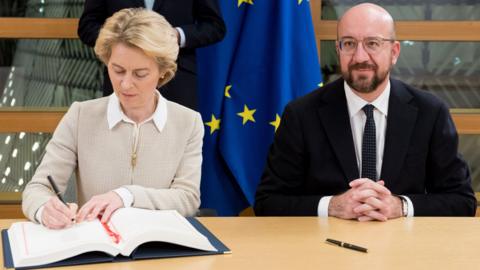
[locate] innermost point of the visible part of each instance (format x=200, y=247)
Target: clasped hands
x=57, y=215
x=366, y=200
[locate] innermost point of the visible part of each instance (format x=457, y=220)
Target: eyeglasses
x=371, y=45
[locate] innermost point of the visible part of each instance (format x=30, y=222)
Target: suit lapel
x=336, y=121
x=400, y=123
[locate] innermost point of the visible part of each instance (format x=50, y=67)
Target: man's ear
x=395, y=51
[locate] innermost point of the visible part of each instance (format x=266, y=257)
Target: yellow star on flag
x=240, y=2
x=300, y=1
x=214, y=124
x=227, y=91
x=276, y=123
x=247, y=114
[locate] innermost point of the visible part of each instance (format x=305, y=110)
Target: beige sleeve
x=184, y=192
x=59, y=161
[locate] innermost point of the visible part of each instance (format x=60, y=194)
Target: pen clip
x=333, y=241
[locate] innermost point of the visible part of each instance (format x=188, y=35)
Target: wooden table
x=299, y=243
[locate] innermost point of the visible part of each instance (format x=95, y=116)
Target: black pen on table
x=346, y=245
x=57, y=192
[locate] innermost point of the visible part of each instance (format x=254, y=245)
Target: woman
x=133, y=148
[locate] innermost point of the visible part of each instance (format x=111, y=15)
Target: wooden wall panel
x=30, y=121
x=38, y=28
x=46, y=121
x=417, y=30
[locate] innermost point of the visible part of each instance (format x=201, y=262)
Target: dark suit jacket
x=200, y=20
x=313, y=155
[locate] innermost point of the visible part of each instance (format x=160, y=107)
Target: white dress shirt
x=149, y=4
x=357, y=123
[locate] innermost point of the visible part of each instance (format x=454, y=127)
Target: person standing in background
x=198, y=23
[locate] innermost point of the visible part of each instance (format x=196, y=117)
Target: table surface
x=299, y=243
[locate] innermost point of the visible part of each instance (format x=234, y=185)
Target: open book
x=33, y=244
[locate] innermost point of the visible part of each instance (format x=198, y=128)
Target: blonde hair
x=144, y=29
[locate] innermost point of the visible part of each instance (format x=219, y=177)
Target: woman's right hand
x=57, y=215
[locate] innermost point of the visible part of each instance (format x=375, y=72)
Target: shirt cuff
x=182, y=37
x=323, y=206
x=409, y=206
x=38, y=214
x=126, y=195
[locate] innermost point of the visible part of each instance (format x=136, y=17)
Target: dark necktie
x=369, y=148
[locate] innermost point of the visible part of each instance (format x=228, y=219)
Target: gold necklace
x=135, y=146
x=136, y=138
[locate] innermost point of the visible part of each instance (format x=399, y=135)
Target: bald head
x=366, y=64
x=368, y=17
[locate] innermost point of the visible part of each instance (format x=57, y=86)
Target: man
x=366, y=147
x=198, y=23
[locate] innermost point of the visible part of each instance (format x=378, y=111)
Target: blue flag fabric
x=268, y=57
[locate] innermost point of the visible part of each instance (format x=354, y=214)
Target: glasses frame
x=366, y=48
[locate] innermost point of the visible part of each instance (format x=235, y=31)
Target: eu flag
x=268, y=57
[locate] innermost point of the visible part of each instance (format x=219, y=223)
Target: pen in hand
x=346, y=245
x=55, y=189
x=57, y=192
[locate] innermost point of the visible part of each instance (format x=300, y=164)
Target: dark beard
x=362, y=84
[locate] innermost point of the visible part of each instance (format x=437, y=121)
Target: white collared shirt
x=149, y=4
x=115, y=113
x=358, y=119
x=357, y=123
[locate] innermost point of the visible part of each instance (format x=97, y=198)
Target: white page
x=35, y=244
x=137, y=226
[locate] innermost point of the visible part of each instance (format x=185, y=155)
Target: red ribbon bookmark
x=115, y=236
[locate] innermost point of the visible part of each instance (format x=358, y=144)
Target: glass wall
x=20, y=154
x=46, y=73
x=41, y=8
x=49, y=73
x=40, y=73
